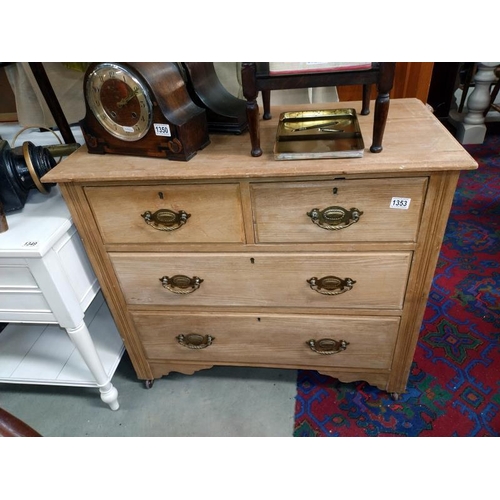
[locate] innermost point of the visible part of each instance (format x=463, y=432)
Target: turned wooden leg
x=253, y=127
x=82, y=340
x=381, y=112
x=367, y=89
x=382, y=105
x=266, y=100
x=250, y=92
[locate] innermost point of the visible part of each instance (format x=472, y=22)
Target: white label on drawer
x=401, y=203
x=162, y=129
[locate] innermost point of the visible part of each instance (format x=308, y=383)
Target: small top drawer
x=368, y=210
x=197, y=213
x=16, y=276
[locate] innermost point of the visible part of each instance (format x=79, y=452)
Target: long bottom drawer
x=269, y=339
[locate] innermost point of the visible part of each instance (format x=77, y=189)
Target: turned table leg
x=382, y=106
x=250, y=92
x=365, y=109
x=59, y=293
x=82, y=340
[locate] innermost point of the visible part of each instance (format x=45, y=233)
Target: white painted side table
x=47, y=285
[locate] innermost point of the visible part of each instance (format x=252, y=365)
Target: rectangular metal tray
x=333, y=133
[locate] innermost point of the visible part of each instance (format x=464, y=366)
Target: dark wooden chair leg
x=466, y=86
x=367, y=89
x=494, y=94
x=266, y=100
x=250, y=93
x=11, y=426
x=382, y=105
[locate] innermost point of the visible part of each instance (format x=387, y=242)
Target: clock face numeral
x=120, y=101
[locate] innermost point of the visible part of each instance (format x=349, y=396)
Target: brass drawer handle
x=165, y=219
x=195, y=341
x=334, y=218
x=181, y=284
x=327, y=346
x=331, y=285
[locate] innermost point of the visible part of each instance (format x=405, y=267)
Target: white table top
x=37, y=227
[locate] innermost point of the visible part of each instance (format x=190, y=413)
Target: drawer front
x=373, y=280
x=269, y=339
x=213, y=211
x=16, y=277
x=26, y=301
x=281, y=210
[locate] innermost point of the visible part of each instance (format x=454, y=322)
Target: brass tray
x=333, y=133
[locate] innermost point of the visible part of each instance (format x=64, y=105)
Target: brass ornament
x=181, y=284
x=334, y=218
x=327, y=346
x=195, y=341
x=165, y=219
x=331, y=285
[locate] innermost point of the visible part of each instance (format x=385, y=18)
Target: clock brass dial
x=120, y=101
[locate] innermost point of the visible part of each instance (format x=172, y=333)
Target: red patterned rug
x=454, y=384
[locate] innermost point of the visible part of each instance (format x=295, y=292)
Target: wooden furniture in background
x=8, y=111
x=60, y=331
x=443, y=84
x=257, y=77
x=411, y=79
x=312, y=264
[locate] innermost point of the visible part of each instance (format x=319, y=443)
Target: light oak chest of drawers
x=233, y=260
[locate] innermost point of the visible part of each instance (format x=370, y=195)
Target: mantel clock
x=141, y=109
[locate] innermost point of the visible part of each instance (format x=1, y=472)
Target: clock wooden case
x=141, y=109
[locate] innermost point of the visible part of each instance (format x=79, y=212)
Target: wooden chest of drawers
x=233, y=260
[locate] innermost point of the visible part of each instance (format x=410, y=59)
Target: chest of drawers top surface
x=414, y=141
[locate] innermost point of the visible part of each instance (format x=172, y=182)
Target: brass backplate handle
x=165, y=219
x=195, y=341
x=331, y=285
x=181, y=284
x=334, y=218
x=327, y=346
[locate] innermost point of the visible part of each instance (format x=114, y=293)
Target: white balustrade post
x=472, y=129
